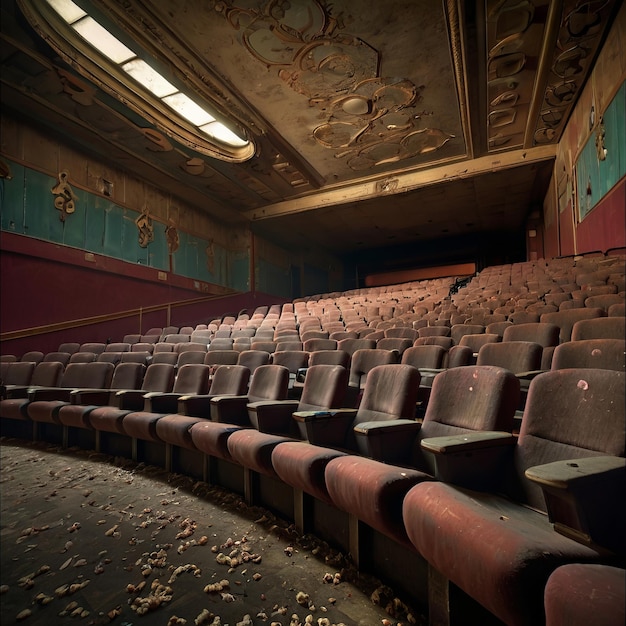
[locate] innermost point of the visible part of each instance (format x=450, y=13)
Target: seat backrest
x=192, y=379
x=190, y=346
x=544, y=333
x=293, y=360
x=516, y=356
x=617, y=310
x=364, y=360
x=458, y=356
x=270, y=382
x=190, y=357
x=565, y=320
x=390, y=393
x=404, y=332
x=177, y=338
x=399, y=344
x=69, y=346
x=424, y=356
x=230, y=380
x=476, y=342
x=83, y=357
x=607, y=354
x=252, y=359
x=34, y=356
x=221, y=343
x=18, y=373
x=61, y=357
x=281, y=346
x=318, y=343
x=136, y=357
x=95, y=347
x=434, y=331
x=444, y=342
x=120, y=346
x=524, y=317
x=604, y=301
x=47, y=374
x=159, y=377
x=329, y=357
x=478, y=397
x=325, y=387
x=599, y=328
x=110, y=357
x=459, y=330
x=128, y=376
x=497, y=328
x=142, y=346
x=170, y=358
x=221, y=357
x=352, y=345
x=94, y=375
x=569, y=414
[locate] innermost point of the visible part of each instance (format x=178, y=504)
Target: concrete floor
x=82, y=532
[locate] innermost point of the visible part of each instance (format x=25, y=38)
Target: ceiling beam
x=404, y=182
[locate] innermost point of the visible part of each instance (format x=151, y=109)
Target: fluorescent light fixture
x=149, y=78
x=187, y=108
x=144, y=74
x=69, y=11
x=101, y=39
x=218, y=131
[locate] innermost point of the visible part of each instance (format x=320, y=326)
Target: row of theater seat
x=371, y=462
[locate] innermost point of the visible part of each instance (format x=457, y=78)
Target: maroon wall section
x=44, y=284
x=605, y=226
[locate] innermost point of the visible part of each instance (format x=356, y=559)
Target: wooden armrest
x=389, y=441
x=476, y=460
x=230, y=410
x=325, y=428
x=585, y=498
x=98, y=397
x=271, y=416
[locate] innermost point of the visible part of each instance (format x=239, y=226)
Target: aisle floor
x=89, y=539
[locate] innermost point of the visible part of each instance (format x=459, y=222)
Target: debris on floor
x=90, y=539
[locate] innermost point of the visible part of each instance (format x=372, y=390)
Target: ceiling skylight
x=141, y=70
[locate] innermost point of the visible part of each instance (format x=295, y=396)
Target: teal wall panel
x=273, y=279
x=12, y=200
x=100, y=226
x=595, y=177
x=41, y=219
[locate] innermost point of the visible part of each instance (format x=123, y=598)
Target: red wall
x=45, y=283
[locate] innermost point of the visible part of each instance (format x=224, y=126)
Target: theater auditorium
x=312, y=312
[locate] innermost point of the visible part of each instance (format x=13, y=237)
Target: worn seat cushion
x=302, y=465
x=175, y=429
x=212, y=438
x=372, y=491
x=253, y=449
x=578, y=595
x=497, y=551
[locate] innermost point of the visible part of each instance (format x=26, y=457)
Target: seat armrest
x=271, y=416
x=585, y=498
x=49, y=393
x=195, y=406
x=156, y=402
x=230, y=410
x=325, y=428
x=476, y=460
x=129, y=399
x=99, y=397
x=16, y=391
x=389, y=441
x=301, y=374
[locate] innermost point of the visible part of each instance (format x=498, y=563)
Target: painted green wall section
x=105, y=228
x=595, y=177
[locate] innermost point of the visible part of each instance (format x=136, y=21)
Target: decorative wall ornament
x=370, y=119
x=210, y=256
x=145, y=228
x=600, y=135
x=173, y=240
x=65, y=198
x=5, y=170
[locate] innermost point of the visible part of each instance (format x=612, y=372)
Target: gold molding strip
x=404, y=182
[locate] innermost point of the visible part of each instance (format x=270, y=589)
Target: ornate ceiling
x=375, y=123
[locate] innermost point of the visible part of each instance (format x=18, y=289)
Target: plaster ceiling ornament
x=65, y=199
x=339, y=74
